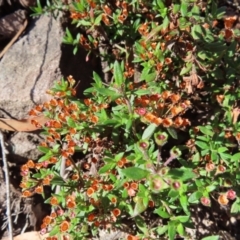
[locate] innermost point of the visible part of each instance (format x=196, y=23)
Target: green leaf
x=196, y=32
x=148, y=132
x=182, y=174
x=181, y=229
x=106, y=167
x=194, y=197
x=134, y=173
x=57, y=180
x=236, y=207
x=118, y=73
x=139, y=207
x=184, y=203
x=161, y=212
x=70, y=122
x=196, y=157
x=222, y=149
x=207, y=130
x=44, y=149
x=202, y=145
x=235, y=157
x=215, y=237
x=225, y=156
x=181, y=219
x=184, y=9
x=108, y=93
x=172, y=132
x=45, y=157
x=98, y=20
x=141, y=92
x=171, y=230
x=97, y=80
x=54, y=231
x=162, y=229
x=186, y=69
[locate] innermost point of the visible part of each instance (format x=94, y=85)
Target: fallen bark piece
x=24, y=125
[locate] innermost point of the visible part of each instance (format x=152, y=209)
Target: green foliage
x=161, y=140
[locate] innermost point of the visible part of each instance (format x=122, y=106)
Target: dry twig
x=5, y=165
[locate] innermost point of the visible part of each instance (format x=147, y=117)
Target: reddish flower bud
x=231, y=194
x=210, y=167
x=205, y=201
x=141, y=111
x=176, y=185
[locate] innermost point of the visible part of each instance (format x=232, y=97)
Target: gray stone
x=23, y=146
x=30, y=67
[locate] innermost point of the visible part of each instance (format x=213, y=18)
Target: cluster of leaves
x=161, y=135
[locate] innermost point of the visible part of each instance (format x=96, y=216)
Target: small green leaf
x=215, y=237
x=235, y=157
x=172, y=132
x=118, y=73
x=108, y=93
x=162, y=229
x=181, y=229
x=202, y=145
x=139, y=207
x=207, y=130
x=182, y=174
x=222, y=149
x=196, y=32
x=184, y=203
x=134, y=173
x=196, y=157
x=194, y=197
x=186, y=69
x=57, y=180
x=97, y=79
x=171, y=230
x=98, y=20
x=71, y=123
x=184, y=9
x=106, y=167
x=45, y=157
x=181, y=219
x=54, y=231
x=236, y=207
x=148, y=132
x=44, y=149
x=161, y=212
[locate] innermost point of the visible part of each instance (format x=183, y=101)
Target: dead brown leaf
x=24, y=125
x=235, y=114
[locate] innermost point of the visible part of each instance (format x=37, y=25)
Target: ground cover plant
x=158, y=133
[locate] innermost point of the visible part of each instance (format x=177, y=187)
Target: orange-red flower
x=32, y=112
x=90, y=191
x=167, y=122
x=131, y=237
x=30, y=164
x=54, y=201
x=47, y=220
x=222, y=199
x=39, y=189
x=91, y=217
x=27, y=193
x=116, y=212
x=64, y=226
